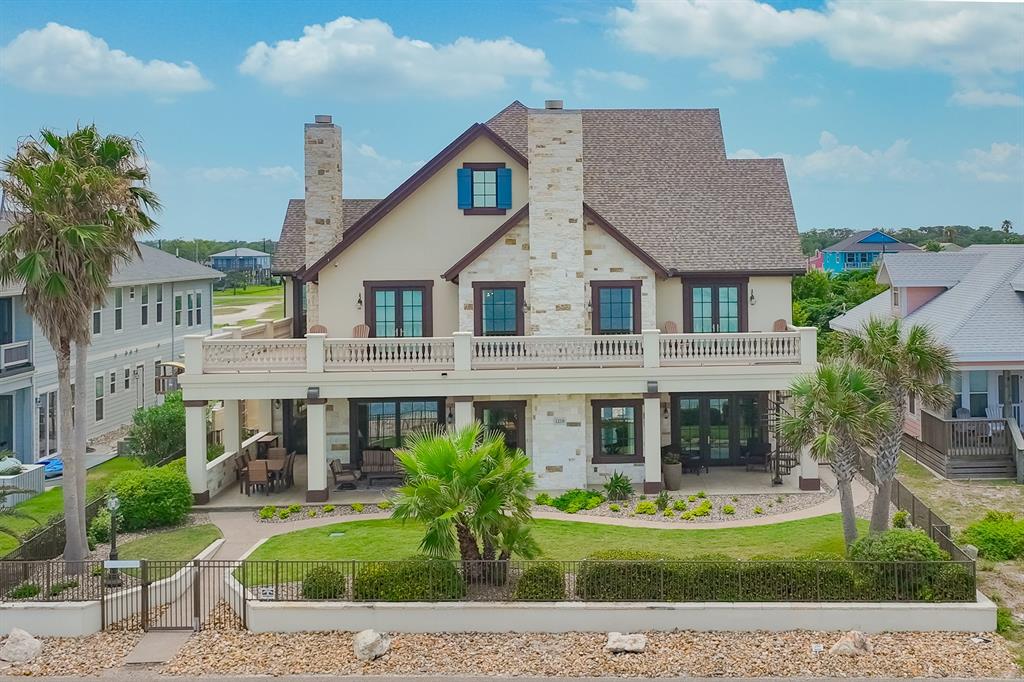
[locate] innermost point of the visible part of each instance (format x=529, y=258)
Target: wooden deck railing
x=236, y=350
x=972, y=437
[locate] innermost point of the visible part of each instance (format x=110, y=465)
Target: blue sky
x=887, y=114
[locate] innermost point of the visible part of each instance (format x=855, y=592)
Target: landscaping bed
x=697, y=654
x=718, y=507
x=77, y=656
x=296, y=512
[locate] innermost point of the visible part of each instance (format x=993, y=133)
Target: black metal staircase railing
x=784, y=458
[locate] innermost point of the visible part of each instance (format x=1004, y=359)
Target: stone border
x=561, y=617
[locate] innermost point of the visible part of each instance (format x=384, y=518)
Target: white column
x=232, y=426
x=808, y=470
x=316, y=450
x=315, y=353
x=651, y=341
x=463, y=342
x=195, y=450
x=463, y=411
x=652, y=443
x=263, y=416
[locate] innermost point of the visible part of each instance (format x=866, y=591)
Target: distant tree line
x=928, y=237
x=200, y=250
x=818, y=297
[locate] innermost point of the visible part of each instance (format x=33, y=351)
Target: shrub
x=702, y=509
x=328, y=508
x=214, y=451
x=953, y=582
x=998, y=536
x=1006, y=624
x=99, y=528
x=541, y=581
x=267, y=512
x=668, y=512
x=729, y=510
x=294, y=508
x=543, y=499
x=572, y=501
x=311, y=513
x=646, y=507
x=819, y=576
x=780, y=499
x=414, y=579
x=735, y=499
x=614, y=507
x=283, y=514
x=157, y=432
x=618, y=487
x=901, y=519
x=151, y=498
x=24, y=591
x=638, y=580
x=357, y=507
x=758, y=510
x=177, y=465
x=386, y=504
x=897, y=545
x=59, y=587
x=701, y=494
x=910, y=563
x=324, y=582
x=662, y=500
x=691, y=498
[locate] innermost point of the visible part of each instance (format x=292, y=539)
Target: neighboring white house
x=155, y=300
x=596, y=284
x=973, y=300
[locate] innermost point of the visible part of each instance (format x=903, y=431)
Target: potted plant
x=672, y=471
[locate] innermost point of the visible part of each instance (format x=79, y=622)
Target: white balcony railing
x=226, y=352
x=15, y=355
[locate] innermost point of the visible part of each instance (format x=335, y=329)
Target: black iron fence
x=48, y=541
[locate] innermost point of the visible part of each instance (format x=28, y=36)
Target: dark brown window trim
x=478, y=308
x=474, y=165
x=518, y=405
x=690, y=283
x=370, y=310
x=638, y=429
x=595, y=303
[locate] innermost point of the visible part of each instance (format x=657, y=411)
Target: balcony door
x=6, y=321
x=715, y=306
x=720, y=428
x=399, y=309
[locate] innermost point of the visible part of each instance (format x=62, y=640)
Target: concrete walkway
x=252, y=311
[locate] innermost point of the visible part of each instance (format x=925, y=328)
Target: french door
x=398, y=309
x=48, y=421
x=384, y=424
x=720, y=428
x=715, y=307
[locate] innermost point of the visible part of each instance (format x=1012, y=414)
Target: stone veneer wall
x=506, y=261
x=338, y=430
x=604, y=258
x=555, y=150
x=323, y=199
x=558, y=448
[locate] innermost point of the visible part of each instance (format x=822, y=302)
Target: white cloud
x=620, y=79
x=1001, y=162
x=976, y=98
x=68, y=61
x=235, y=173
x=970, y=42
x=806, y=101
x=357, y=57
x=567, y=20
x=834, y=160
x=724, y=91
x=278, y=173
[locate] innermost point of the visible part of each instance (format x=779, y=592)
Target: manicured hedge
x=153, y=497
x=324, y=582
x=541, y=582
x=415, y=579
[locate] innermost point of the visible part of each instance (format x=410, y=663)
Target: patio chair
x=318, y=329
x=257, y=476
x=240, y=472
x=361, y=331
x=962, y=413
x=670, y=327
x=759, y=456
x=344, y=475
x=276, y=453
x=289, y=471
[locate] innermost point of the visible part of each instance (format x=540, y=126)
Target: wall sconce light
x=526, y=306
x=313, y=393
x=590, y=306
x=359, y=302
x=664, y=409
x=451, y=416
x=753, y=299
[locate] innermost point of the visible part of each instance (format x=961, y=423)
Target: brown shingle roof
x=290, y=255
x=661, y=177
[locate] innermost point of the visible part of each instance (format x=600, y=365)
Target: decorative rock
x=853, y=643
x=971, y=551
x=370, y=644
x=619, y=643
x=20, y=647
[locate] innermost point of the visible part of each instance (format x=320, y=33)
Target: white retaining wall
x=32, y=479
x=979, y=616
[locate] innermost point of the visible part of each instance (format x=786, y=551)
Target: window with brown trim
x=615, y=307
x=507, y=417
x=715, y=306
x=399, y=308
x=618, y=431
x=484, y=183
x=498, y=308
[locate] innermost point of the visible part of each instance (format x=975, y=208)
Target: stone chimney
x=557, y=290
x=323, y=197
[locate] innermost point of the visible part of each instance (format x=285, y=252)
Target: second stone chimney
x=323, y=197
x=557, y=289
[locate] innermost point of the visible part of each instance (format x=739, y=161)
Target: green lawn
x=248, y=295
x=563, y=540
x=46, y=506
x=179, y=544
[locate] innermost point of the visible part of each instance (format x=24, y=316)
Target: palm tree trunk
x=848, y=511
x=470, y=552
x=886, y=460
x=75, y=546
x=82, y=397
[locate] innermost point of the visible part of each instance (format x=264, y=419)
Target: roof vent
x=322, y=118
x=553, y=104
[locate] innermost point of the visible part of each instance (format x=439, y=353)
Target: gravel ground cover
x=314, y=512
x=580, y=654
x=743, y=506
x=77, y=656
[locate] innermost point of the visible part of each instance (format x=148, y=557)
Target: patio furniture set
x=272, y=469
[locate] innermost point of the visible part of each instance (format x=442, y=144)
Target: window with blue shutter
x=484, y=188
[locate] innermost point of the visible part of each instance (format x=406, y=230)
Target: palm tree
x=1007, y=226
x=906, y=361
x=470, y=490
x=78, y=201
x=836, y=411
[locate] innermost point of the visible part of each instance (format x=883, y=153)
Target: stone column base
x=317, y=495
x=810, y=483
x=651, y=487
x=201, y=498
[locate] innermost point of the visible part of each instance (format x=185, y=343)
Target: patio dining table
x=263, y=444
x=275, y=470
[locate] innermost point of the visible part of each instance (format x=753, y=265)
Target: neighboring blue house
x=860, y=250
x=241, y=258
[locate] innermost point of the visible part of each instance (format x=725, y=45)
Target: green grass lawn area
x=563, y=540
x=179, y=544
x=49, y=504
x=248, y=295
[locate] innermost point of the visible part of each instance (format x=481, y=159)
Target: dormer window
x=484, y=188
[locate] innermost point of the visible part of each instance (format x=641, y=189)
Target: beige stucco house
x=600, y=285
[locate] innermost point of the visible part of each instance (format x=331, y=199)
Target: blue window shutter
x=465, y=181
x=504, y=176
